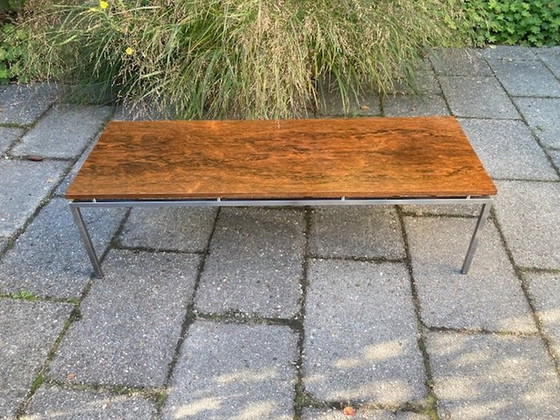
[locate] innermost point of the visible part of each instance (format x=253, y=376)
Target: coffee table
x=310, y=162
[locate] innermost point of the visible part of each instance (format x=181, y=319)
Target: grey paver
x=3, y=244
x=457, y=62
x=526, y=78
x=443, y=209
x=369, y=232
x=493, y=377
x=546, y=304
x=258, y=382
x=425, y=83
x=23, y=185
x=8, y=135
x=508, y=149
x=27, y=332
x=255, y=263
x=361, y=337
x=509, y=53
x=24, y=104
x=477, y=97
x=414, y=106
x=489, y=297
x=69, y=178
x=366, y=414
x=551, y=57
x=63, y=132
x=130, y=321
x=51, y=402
x=529, y=216
x=48, y=259
x=366, y=104
x=542, y=115
x=175, y=228
x=555, y=154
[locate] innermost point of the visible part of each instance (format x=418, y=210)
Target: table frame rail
x=77, y=205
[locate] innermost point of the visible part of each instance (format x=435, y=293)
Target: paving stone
x=63, y=132
x=526, y=78
x=9, y=135
x=443, y=210
x=257, y=383
x=543, y=289
x=477, y=97
x=130, y=321
x=508, y=52
x=3, y=244
x=425, y=83
x=366, y=414
x=459, y=62
x=529, y=217
x=23, y=185
x=49, y=259
x=170, y=228
x=51, y=402
x=551, y=57
x=508, y=149
x=24, y=104
x=330, y=104
x=493, y=377
x=555, y=154
x=542, y=115
x=414, y=106
x=255, y=263
x=489, y=297
x=27, y=332
x=361, y=337
x=69, y=178
x=368, y=232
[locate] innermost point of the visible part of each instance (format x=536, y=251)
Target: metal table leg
x=474, y=240
x=86, y=240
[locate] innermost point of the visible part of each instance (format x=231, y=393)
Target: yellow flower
x=129, y=51
x=103, y=4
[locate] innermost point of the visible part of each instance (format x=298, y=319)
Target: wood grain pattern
x=327, y=158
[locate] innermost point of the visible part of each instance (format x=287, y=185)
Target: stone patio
x=290, y=313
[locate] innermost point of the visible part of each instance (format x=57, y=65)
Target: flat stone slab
x=425, y=83
x=443, y=210
x=488, y=298
x=477, y=97
x=366, y=414
x=493, y=377
x=28, y=330
x=360, y=334
x=509, y=52
x=23, y=185
x=551, y=57
x=255, y=263
x=48, y=259
x=51, y=402
x=63, y=132
x=530, y=219
x=367, y=232
x=171, y=228
x=555, y=154
x=131, y=321
x=8, y=135
x=258, y=382
x=508, y=149
x=460, y=62
x=526, y=78
x=414, y=106
x=365, y=105
x=69, y=178
x=24, y=104
x=543, y=289
x=542, y=116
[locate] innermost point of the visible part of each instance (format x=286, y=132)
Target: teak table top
x=291, y=159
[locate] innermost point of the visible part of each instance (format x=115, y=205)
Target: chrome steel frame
x=75, y=207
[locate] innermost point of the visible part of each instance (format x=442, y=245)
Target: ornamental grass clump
x=234, y=58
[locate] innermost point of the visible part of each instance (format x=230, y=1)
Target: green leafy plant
x=12, y=52
x=234, y=58
x=528, y=22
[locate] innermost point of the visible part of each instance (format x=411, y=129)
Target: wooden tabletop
x=292, y=159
